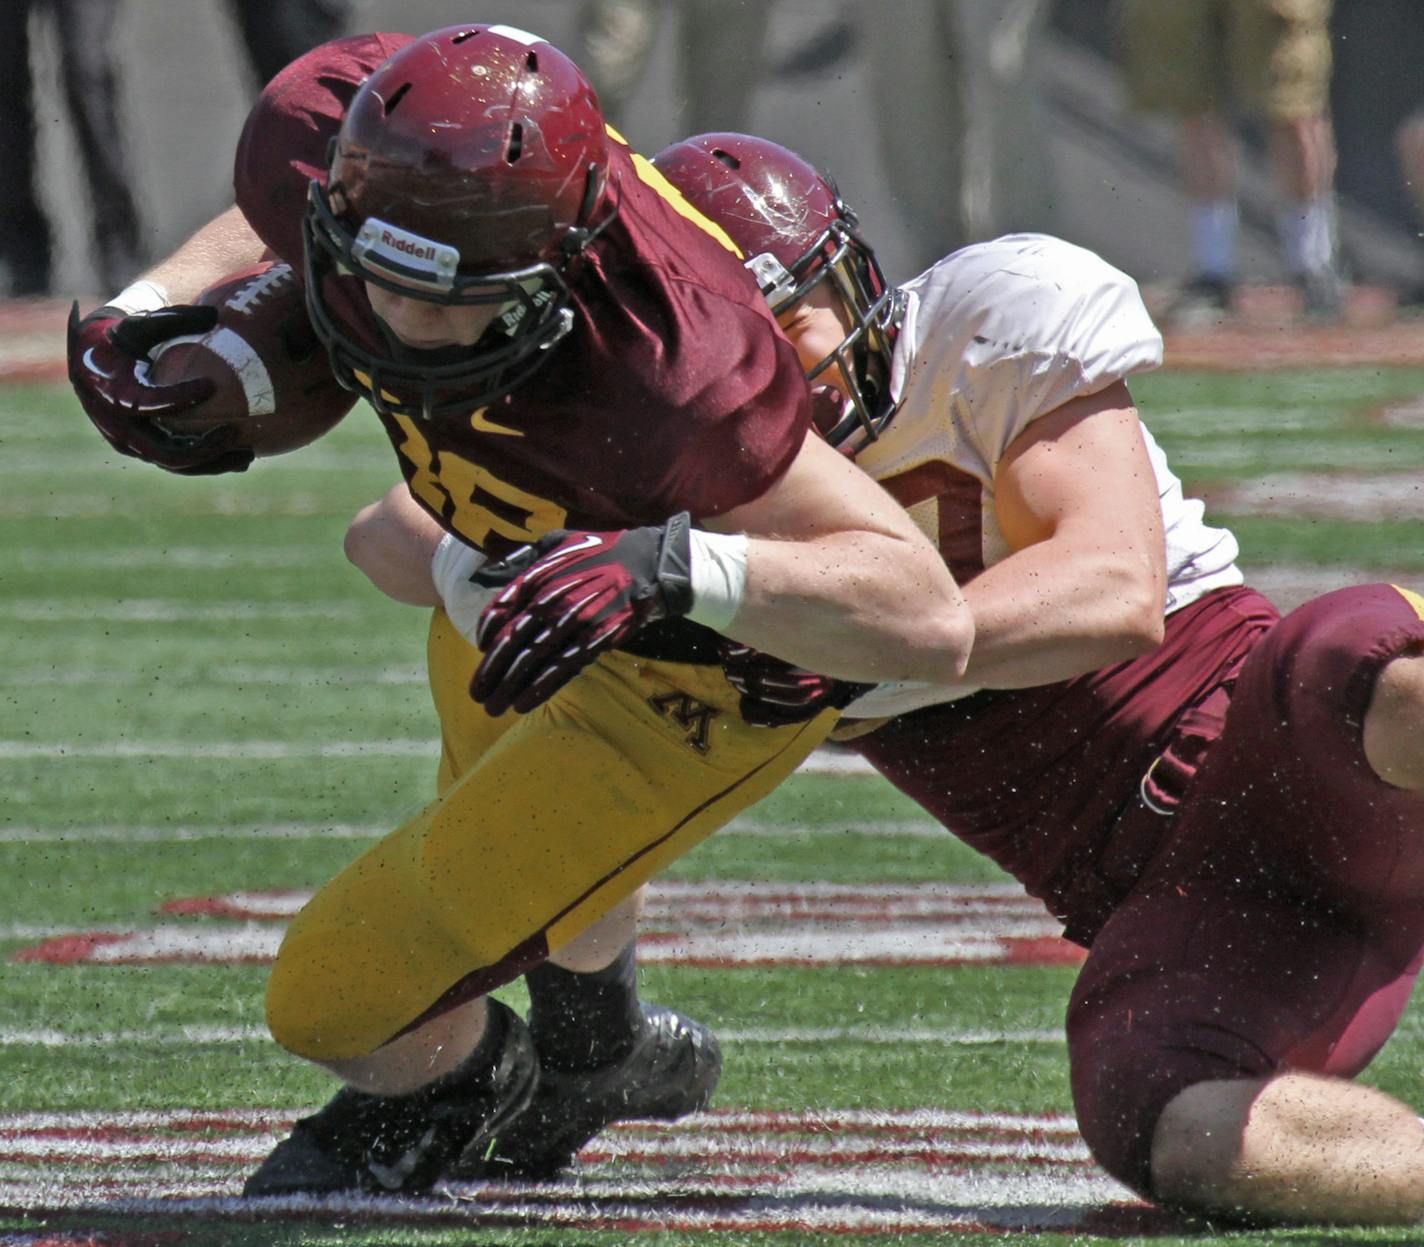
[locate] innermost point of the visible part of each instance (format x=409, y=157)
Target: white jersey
x=995, y=336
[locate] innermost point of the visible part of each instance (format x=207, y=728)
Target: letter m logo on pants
x=692, y=715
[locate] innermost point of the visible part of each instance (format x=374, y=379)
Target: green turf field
x=201, y=698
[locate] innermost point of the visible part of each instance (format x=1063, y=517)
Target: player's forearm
x=864, y=606
x=1047, y=614
x=1041, y=617
x=223, y=245
x=839, y=580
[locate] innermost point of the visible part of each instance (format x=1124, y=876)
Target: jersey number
x=471, y=499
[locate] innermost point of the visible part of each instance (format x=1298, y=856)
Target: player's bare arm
x=1077, y=499
x=839, y=578
x=837, y=570
x=1295, y=1148
x=223, y=245
x=392, y=541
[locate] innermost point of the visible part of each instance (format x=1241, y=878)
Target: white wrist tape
x=719, y=577
x=451, y=568
x=142, y=296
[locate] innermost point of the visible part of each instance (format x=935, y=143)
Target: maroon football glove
x=106, y=350
x=569, y=597
x=776, y=694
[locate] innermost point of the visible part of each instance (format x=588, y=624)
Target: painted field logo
x=723, y=925
x=846, y=1172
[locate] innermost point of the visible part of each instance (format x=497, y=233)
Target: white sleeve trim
x=884, y=701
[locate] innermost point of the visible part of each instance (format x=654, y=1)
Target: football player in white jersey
x=1248, y=887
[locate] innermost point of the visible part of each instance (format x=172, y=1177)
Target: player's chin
x=435, y=355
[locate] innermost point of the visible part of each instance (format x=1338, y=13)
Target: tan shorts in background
x=1270, y=57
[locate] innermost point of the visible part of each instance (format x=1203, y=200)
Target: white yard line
x=261, y=750
x=912, y=944
x=725, y=925
x=305, y=677
x=817, y=764
x=751, y=828
x=100, y=505
x=837, y=1172
x=873, y=1036
x=301, y=553
x=165, y=610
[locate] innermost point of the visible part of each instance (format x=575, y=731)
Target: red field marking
x=1245, y=347
x=715, y=903
x=1343, y=495
x=170, y=945
x=245, y=906
x=717, y=925
x=32, y=340
x=66, y=950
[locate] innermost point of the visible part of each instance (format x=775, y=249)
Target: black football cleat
x=671, y=1071
x=388, y=1144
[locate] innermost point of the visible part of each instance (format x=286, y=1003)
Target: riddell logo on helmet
x=417, y=250
x=406, y=256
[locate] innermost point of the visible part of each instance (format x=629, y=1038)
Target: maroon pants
x=1281, y=926
x=1277, y=921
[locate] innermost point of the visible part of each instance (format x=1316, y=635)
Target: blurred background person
x=720, y=50
x=1201, y=62
x=959, y=118
x=276, y=32
x=1409, y=145
x=91, y=91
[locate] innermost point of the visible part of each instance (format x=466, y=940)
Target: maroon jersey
x=674, y=391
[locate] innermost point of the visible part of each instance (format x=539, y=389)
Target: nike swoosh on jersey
x=480, y=424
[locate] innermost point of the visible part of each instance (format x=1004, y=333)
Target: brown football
x=270, y=371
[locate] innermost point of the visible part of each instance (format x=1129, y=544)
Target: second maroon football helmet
x=469, y=169
x=796, y=232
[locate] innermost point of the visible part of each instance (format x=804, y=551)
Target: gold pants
x=544, y=822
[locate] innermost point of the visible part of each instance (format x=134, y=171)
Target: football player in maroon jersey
x=1226, y=807
x=571, y=367
x=1246, y=886
x=1222, y=805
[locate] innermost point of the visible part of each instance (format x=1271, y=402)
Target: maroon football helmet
x=796, y=231
x=469, y=169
